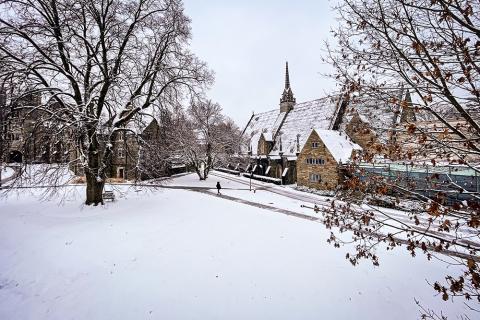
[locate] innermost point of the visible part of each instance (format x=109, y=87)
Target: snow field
x=178, y=254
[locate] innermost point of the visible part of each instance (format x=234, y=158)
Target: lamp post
x=1, y=140
x=251, y=175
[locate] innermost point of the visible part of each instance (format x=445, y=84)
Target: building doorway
x=279, y=171
x=15, y=156
x=121, y=173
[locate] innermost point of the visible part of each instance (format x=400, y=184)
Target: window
x=314, y=144
x=315, y=161
x=314, y=177
x=120, y=135
x=120, y=153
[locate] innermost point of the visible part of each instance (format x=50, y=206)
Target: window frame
x=315, y=161
x=121, y=152
x=314, y=177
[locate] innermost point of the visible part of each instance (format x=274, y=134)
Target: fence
x=458, y=183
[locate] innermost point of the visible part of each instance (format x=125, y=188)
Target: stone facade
x=326, y=169
x=362, y=134
x=264, y=146
x=125, y=157
x=29, y=135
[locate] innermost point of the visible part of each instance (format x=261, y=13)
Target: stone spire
x=287, y=101
x=287, y=77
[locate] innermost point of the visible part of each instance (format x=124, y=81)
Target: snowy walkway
x=304, y=203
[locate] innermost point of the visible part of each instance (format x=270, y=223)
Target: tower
x=287, y=101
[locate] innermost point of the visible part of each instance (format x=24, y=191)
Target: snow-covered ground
x=286, y=197
x=7, y=172
x=180, y=254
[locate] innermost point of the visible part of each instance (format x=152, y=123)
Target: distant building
x=29, y=135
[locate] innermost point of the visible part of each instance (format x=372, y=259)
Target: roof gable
x=381, y=113
x=300, y=121
x=265, y=123
x=338, y=144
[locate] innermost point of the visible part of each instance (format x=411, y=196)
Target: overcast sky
x=246, y=44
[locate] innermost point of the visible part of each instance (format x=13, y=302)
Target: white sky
x=246, y=43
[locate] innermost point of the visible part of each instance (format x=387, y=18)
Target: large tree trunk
x=200, y=174
x=94, y=189
x=95, y=176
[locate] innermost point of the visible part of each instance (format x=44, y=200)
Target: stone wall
x=328, y=171
x=276, y=169
x=31, y=139
x=264, y=147
x=361, y=134
x=127, y=159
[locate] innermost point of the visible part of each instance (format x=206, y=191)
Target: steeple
x=287, y=77
x=287, y=101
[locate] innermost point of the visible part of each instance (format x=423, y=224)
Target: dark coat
x=219, y=186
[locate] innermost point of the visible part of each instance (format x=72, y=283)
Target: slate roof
x=299, y=123
x=381, y=113
x=285, y=129
x=265, y=122
x=290, y=130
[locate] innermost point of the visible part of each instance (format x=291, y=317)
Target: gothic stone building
x=29, y=136
x=306, y=143
x=138, y=153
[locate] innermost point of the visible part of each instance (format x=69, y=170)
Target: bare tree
x=431, y=48
x=207, y=137
x=155, y=158
x=99, y=66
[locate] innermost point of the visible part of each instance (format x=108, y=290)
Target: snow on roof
x=265, y=123
x=268, y=136
x=300, y=121
x=338, y=143
x=378, y=111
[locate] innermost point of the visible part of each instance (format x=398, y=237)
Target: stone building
x=28, y=135
x=138, y=153
x=373, y=122
x=279, y=142
x=318, y=163
x=274, y=138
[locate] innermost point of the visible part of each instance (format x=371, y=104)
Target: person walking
x=218, y=187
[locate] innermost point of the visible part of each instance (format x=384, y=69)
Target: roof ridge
x=276, y=109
